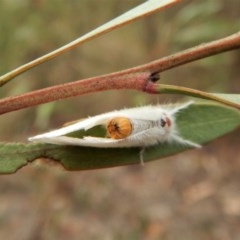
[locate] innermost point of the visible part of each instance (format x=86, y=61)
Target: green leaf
x=201, y=123
x=16, y=155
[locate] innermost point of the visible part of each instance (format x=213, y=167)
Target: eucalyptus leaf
x=16, y=155
x=200, y=123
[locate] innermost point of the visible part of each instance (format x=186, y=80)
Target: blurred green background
x=194, y=195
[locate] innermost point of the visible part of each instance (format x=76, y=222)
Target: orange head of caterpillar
x=119, y=127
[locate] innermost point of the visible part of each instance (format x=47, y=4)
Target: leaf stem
x=162, y=88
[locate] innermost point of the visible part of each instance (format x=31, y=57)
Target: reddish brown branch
x=136, y=81
x=135, y=78
x=192, y=54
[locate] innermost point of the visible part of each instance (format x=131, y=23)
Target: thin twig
x=125, y=79
x=135, y=81
x=229, y=43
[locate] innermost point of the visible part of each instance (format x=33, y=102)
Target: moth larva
x=134, y=127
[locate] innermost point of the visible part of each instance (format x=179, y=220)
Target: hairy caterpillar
x=134, y=127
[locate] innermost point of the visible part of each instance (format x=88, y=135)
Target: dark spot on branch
x=155, y=76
